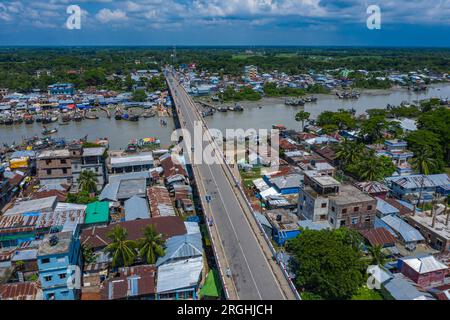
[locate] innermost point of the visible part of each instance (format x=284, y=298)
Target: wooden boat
x=47, y=131
x=28, y=119
x=91, y=116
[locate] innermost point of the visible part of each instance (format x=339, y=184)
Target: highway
x=254, y=275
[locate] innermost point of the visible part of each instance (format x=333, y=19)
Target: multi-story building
x=323, y=198
x=251, y=73
x=88, y=159
x=425, y=186
x=58, y=261
x=54, y=166
x=4, y=188
x=123, y=163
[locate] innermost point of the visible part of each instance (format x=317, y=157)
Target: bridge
x=238, y=241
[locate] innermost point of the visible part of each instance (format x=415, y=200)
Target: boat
x=222, y=109
x=149, y=114
x=47, y=131
x=17, y=120
x=311, y=99
x=91, y=116
x=77, y=117
x=38, y=118
x=8, y=121
x=28, y=119
x=132, y=147
x=66, y=118
x=294, y=102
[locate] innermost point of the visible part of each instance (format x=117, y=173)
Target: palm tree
x=370, y=169
x=423, y=161
x=349, y=151
x=87, y=181
x=151, y=246
x=302, y=116
x=378, y=257
x=123, y=251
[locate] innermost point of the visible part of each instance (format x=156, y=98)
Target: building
x=289, y=184
x=251, y=73
x=21, y=291
x=436, y=231
x=413, y=186
x=4, y=188
x=136, y=208
x=136, y=283
x=373, y=188
x=123, y=163
x=181, y=248
x=55, y=167
x=161, y=204
x=97, y=213
x=88, y=159
x=61, y=89
x=352, y=208
x=179, y=279
x=58, y=259
x=284, y=225
x=409, y=236
x=33, y=206
x=120, y=190
x=425, y=271
x=397, y=151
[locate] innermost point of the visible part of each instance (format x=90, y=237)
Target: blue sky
x=226, y=22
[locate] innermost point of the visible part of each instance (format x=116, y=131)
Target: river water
x=273, y=111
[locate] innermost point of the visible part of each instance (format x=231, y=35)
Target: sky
x=403, y=23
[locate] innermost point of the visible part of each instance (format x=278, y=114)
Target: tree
x=151, y=246
x=423, y=161
x=123, y=251
x=139, y=96
x=81, y=197
x=372, y=129
x=421, y=140
x=87, y=181
x=327, y=263
x=88, y=255
x=377, y=255
x=302, y=116
x=349, y=151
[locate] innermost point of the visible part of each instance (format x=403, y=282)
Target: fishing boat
x=149, y=114
x=222, y=109
x=8, y=121
x=47, y=131
x=38, y=119
x=294, y=102
x=28, y=119
x=17, y=120
x=66, y=118
x=311, y=99
x=91, y=116
x=77, y=117
x=148, y=142
x=132, y=146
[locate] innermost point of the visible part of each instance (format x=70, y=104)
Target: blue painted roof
x=407, y=232
x=385, y=208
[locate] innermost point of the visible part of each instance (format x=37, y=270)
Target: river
x=273, y=111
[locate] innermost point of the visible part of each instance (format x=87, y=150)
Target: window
x=47, y=162
x=50, y=296
x=344, y=211
x=64, y=171
x=369, y=207
x=64, y=293
x=332, y=221
x=324, y=205
x=367, y=219
x=49, y=171
x=355, y=220
x=356, y=209
x=63, y=161
x=342, y=223
x=62, y=275
x=48, y=278
x=45, y=260
x=332, y=209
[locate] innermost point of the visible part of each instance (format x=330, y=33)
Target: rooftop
x=425, y=219
x=93, y=152
x=425, y=264
x=349, y=194
x=62, y=245
x=130, y=160
x=179, y=274
x=97, y=212
x=48, y=154
x=136, y=208
x=33, y=206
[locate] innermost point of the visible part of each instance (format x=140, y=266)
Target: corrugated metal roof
x=425, y=264
x=407, y=232
x=182, y=247
x=385, y=208
x=179, y=275
x=136, y=208
x=402, y=288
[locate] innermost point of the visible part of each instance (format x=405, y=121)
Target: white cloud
x=107, y=15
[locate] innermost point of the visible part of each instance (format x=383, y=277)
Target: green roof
x=212, y=287
x=97, y=212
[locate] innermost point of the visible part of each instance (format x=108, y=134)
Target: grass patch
x=365, y=293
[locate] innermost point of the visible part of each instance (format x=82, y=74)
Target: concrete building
x=123, y=163
x=414, y=185
x=55, y=166
x=61, y=89
x=88, y=159
x=4, y=188
x=58, y=257
x=284, y=225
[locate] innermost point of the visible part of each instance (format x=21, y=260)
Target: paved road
x=253, y=277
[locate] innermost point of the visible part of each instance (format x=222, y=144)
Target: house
x=123, y=189
x=59, y=259
x=414, y=186
x=97, y=213
x=97, y=237
x=284, y=225
x=409, y=235
x=436, y=231
x=5, y=195
x=179, y=279
x=425, y=271
x=21, y=291
x=373, y=188
x=54, y=166
x=137, y=283
x=61, y=89
x=88, y=159
x=136, y=208
x=385, y=209
x=267, y=227
x=399, y=287
x=181, y=248
x=33, y=206
x=379, y=237
x=123, y=163
x=160, y=202
x=289, y=184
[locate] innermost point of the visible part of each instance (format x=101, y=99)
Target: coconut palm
x=370, y=169
x=151, y=246
x=378, y=257
x=87, y=181
x=349, y=151
x=122, y=250
x=302, y=116
x=423, y=161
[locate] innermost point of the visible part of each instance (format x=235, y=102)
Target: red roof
x=403, y=210
x=378, y=236
x=61, y=196
x=19, y=291
x=97, y=237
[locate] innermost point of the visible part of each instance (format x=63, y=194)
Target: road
x=254, y=274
